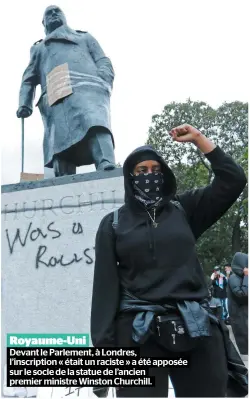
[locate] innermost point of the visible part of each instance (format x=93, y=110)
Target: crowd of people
x=218, y=286
x=228, y=290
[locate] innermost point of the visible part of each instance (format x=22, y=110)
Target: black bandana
x=148, y=188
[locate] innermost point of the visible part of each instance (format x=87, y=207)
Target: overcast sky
x=161, y=50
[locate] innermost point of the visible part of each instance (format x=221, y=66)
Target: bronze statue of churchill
x=76, y=81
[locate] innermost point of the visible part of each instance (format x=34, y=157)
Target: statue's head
x=53, y=18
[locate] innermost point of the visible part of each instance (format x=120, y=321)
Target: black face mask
x=148, y=186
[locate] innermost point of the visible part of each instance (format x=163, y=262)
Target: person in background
x=214, y=303
x=238, y=300
x=228, y=270
x=219, y=283
x=215, y=271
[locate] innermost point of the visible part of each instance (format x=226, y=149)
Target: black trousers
x=206, y=375
x=101, y=148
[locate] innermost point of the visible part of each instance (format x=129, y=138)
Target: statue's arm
x=30, y=80
x=103, y=63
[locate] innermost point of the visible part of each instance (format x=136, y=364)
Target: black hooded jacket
x=158, y=264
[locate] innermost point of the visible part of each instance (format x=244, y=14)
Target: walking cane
x=22, y=144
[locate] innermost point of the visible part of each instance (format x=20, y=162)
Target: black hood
x=239, y=262
x=169, y=187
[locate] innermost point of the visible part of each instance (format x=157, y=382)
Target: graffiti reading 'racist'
x=53, y=261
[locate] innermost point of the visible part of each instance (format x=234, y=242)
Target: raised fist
x=23, y=112
x=185, y=134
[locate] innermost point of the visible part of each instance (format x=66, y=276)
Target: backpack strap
x=178, y=205
x=115, y=219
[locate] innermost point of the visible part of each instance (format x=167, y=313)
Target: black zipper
x=151, y=236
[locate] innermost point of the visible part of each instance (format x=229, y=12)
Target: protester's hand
x=23, y=112
x=185, y=134
x=245, y=271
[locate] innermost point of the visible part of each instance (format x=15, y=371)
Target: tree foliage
x=227, y=127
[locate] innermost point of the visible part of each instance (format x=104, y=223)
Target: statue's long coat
x=67, y=122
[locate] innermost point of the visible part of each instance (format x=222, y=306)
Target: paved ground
x=244, y=358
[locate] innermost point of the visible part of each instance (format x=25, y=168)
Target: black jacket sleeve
x=105, y=295
x=239, y=286
x=206, y=205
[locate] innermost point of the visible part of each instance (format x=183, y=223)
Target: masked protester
x=238, y=300
x=149, y=290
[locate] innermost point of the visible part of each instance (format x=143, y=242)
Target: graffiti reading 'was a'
x=33, y=234
x=43, y=258
x=77, y=228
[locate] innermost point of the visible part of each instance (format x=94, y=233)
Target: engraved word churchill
x=77, y=204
